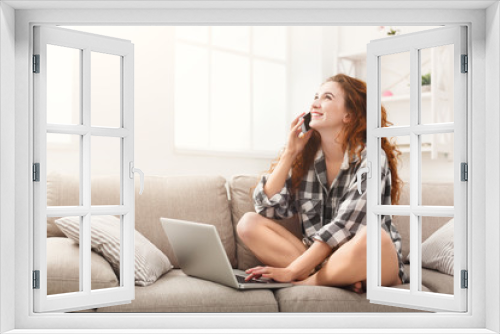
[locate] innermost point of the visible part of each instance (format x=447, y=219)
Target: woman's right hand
x=296, y=140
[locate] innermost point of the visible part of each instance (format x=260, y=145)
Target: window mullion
x=210, y=80
x=85, y=177
x=252, y=77
x=415, y=192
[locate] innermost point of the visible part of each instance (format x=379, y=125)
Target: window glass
x=105, y=90
x=269, y=105
x=191, y=96
x=105, y=170
x=230, y=101
x=63, y=85
x=63, y=169
x=395, y=87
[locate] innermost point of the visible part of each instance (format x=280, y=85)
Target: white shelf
x=353, y=56
x=403, y=97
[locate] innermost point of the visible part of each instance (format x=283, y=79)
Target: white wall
x=313, y=52
x=154, y=106
x=7, y=159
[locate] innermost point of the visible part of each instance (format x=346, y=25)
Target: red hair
x=353, y=137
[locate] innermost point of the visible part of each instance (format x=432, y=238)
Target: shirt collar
x=320, y=159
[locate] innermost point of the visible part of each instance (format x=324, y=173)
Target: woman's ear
x=347, y=117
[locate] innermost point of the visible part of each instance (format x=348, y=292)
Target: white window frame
x=252, y=57
x=413, y=43
x=483, y=102
x=85, y=43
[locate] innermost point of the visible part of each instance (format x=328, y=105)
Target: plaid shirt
x=332, y=214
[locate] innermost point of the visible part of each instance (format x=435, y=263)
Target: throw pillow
x=150, y=262
x=437, y=250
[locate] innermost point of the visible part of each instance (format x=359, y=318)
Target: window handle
x=361, y=171
x=133, y=170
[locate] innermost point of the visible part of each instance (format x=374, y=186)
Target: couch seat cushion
x=327, y=299
x=63, y=265
x=176, y=292
x=434, y=280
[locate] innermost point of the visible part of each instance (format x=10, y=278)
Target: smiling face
x=328, y=109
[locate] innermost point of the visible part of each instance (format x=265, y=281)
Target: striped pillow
x=437, y=250
x=150, y=262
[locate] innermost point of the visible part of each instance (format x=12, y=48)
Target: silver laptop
x=200, y=253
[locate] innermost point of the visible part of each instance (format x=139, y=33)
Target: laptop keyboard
x=241, y=279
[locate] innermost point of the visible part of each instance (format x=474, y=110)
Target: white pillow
x=150, y=262
x=437, y=250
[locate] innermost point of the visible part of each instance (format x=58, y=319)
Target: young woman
x=315, y=177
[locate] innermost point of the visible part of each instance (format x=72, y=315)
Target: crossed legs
x=275, y=246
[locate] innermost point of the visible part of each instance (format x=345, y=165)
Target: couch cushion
x=176, y=292
x=432, y=194
x=63, y=263
x=198, y=198
x=434, y=280
x=150, y=262
x=241, y=202
x=327, y=299
x=438, y=250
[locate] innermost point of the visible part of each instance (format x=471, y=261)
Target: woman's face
x=328, y=108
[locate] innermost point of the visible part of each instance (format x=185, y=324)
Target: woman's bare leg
x=270, y=242
x=347, y=266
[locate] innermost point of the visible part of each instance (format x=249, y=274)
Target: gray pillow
x=150, y=262
x=437, y=250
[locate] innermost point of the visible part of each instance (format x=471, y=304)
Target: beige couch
x=211, y=200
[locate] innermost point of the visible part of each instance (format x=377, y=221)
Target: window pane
x=402, y=225
x=402, y=143
x=63, y=258
x=230, y=104
x=232, y=37
x=191, y=96
x=192, y=34
x=63, y=169
x=63, y=85
x=106, y=169
x=437, y=84
x=105, y=90
x=437, y=168
x=270, y=42
x=395, y=87
x=269, y=104
x=106, y=237
x=437, y=254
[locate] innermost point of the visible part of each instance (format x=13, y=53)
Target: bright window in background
x=231, y=88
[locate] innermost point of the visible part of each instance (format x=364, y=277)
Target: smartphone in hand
x=305, y=125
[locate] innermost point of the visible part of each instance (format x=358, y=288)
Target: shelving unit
x=435, y=103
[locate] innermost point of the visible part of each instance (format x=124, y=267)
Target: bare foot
x=356, y=287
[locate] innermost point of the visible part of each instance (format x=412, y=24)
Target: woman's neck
x=332, y=147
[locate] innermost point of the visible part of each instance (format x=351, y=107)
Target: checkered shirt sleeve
x=351, y=214
x=279, y=206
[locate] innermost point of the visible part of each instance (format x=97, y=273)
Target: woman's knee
x=361, y=241
x=246, y=227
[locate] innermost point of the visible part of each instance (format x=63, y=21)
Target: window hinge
x=465, y=64
x=36, y=279
x=464, y=171
x=465, y=279
x=36, y=172
x=36, y=63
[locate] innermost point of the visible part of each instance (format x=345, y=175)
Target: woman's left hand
x=277, y=274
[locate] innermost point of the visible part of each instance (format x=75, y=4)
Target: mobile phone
x=305, y=125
